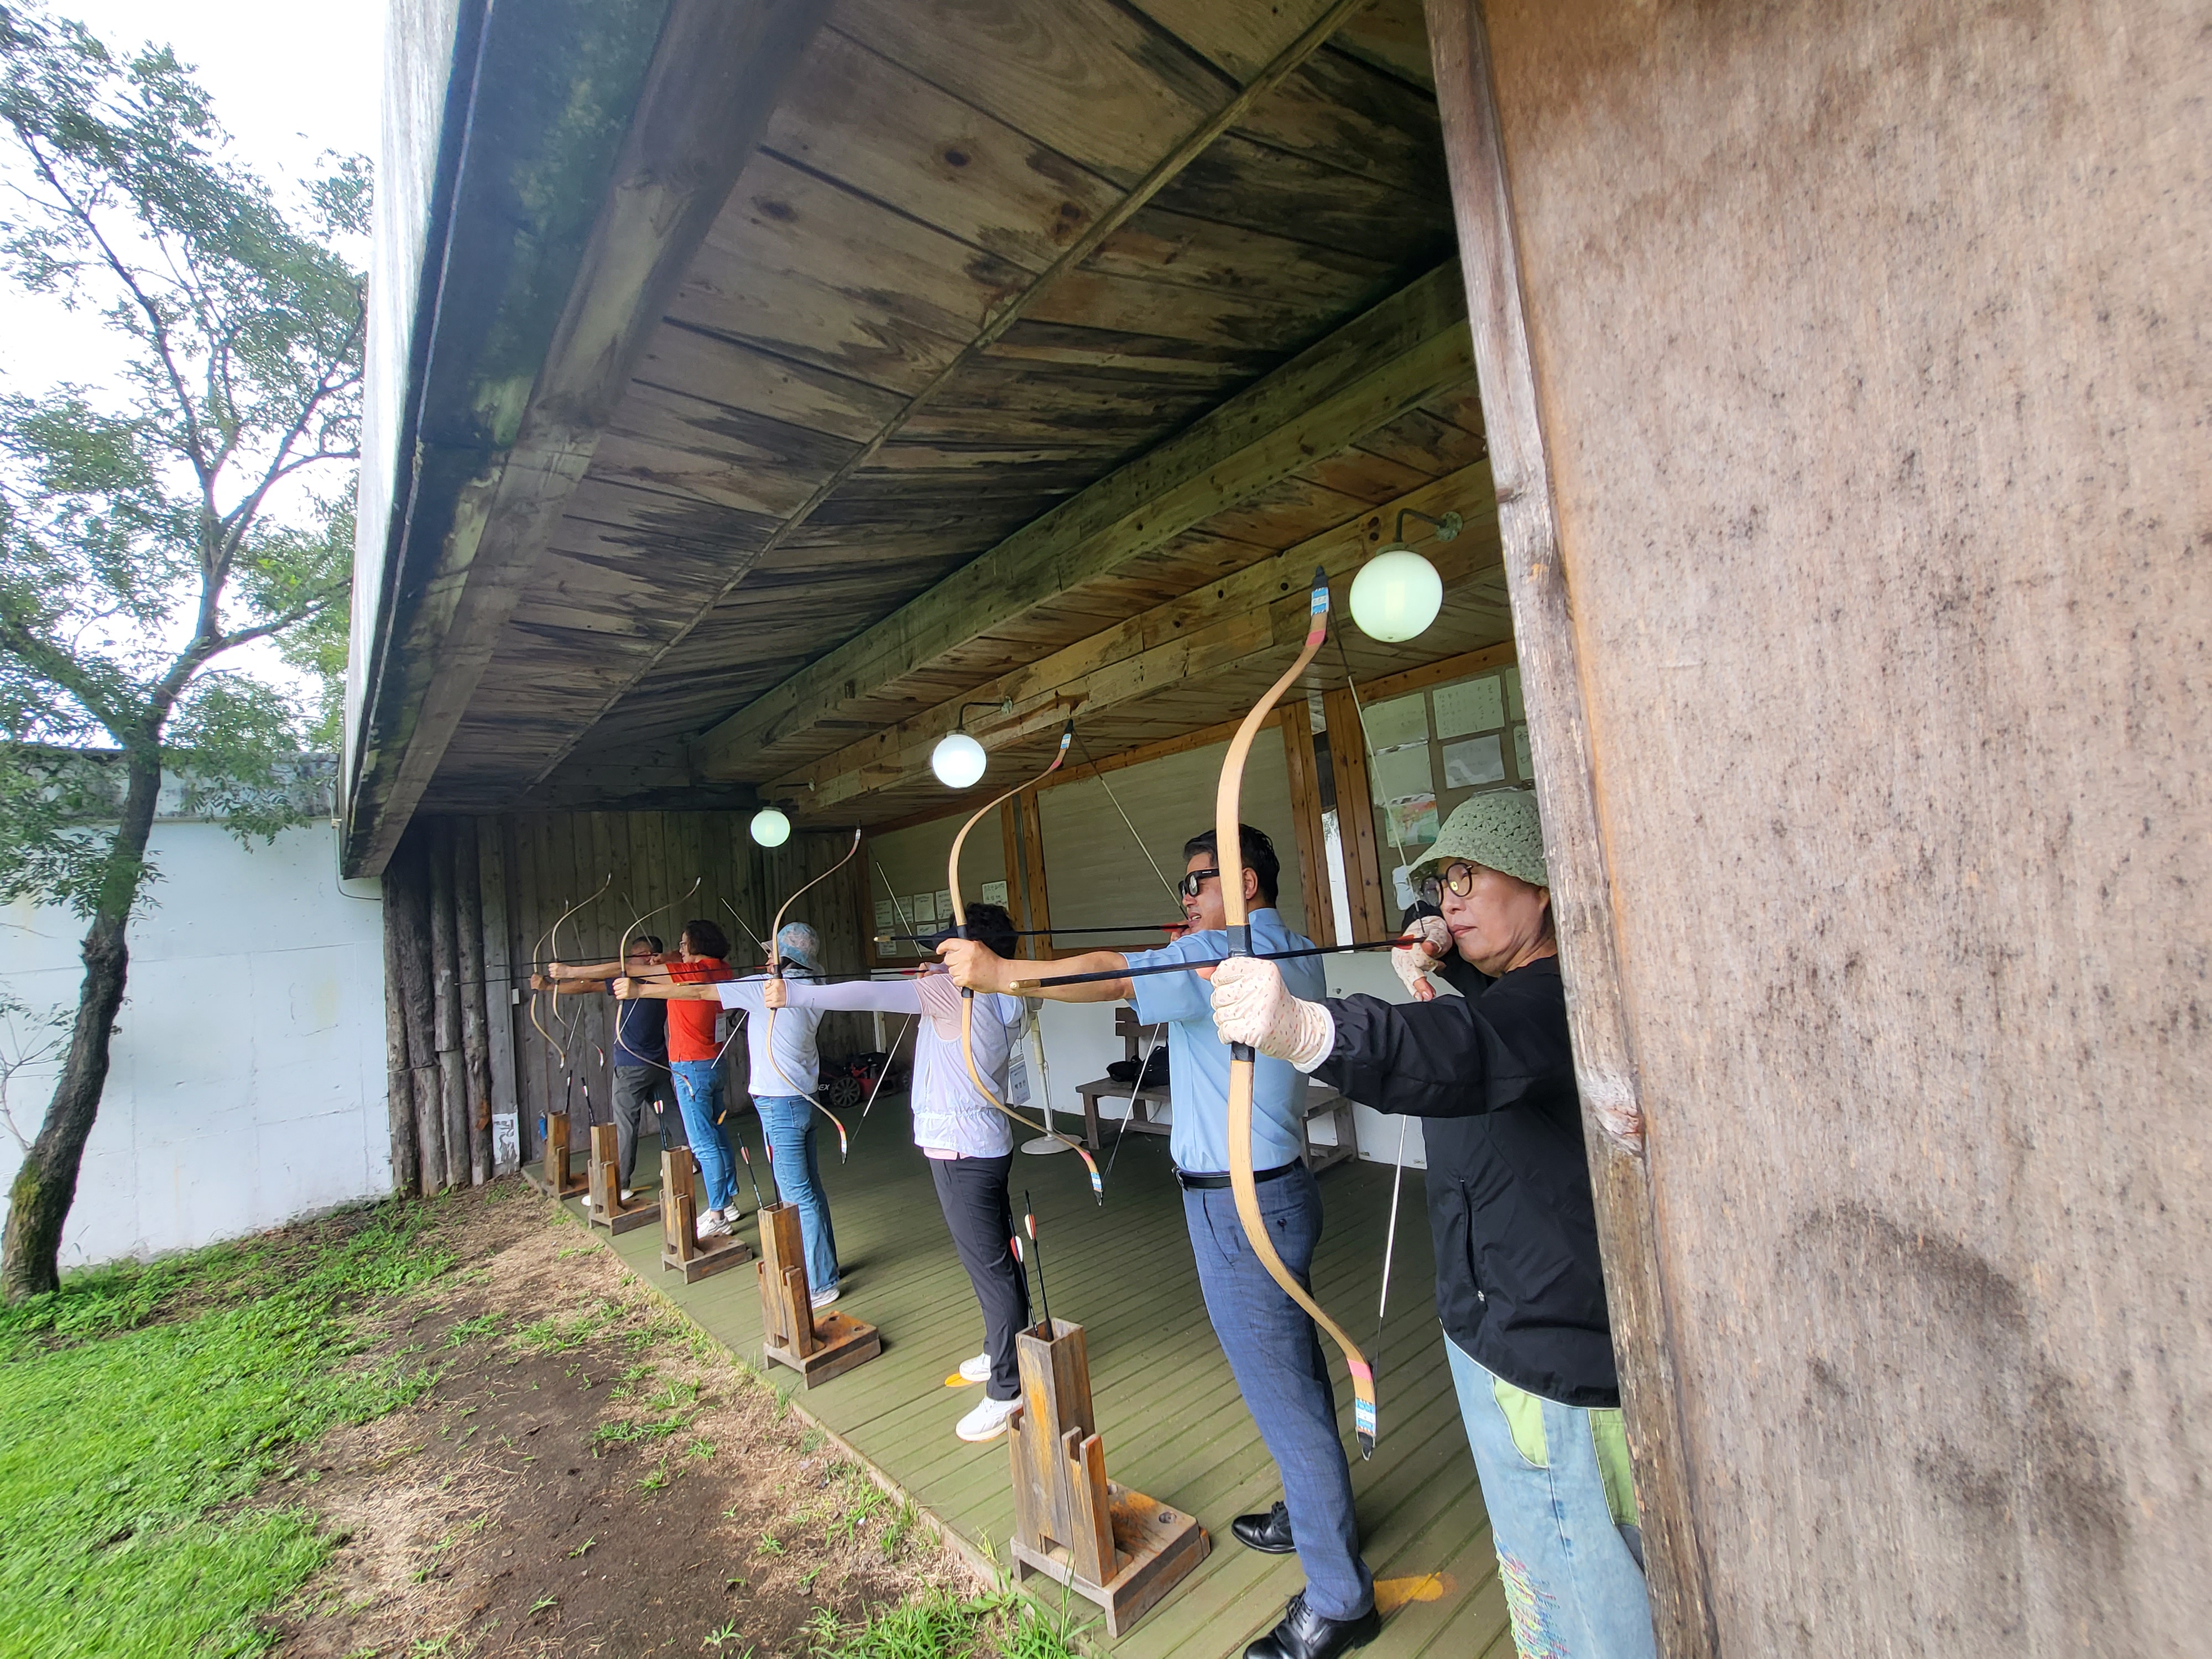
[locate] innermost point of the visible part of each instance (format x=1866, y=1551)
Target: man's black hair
x=988, y=924
x=706, y=940
x=1259, y=858
x=651, y=941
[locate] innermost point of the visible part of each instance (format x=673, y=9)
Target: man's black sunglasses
x=1190, y=885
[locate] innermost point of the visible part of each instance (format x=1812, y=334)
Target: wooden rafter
x=1393, y=357
x=1202, y=137
x=1210, y=629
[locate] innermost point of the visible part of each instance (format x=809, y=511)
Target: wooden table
x=1321, y=1101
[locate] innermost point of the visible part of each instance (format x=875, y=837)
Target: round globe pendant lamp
x=771, y=828
x=1398, y=593
x=958, y=761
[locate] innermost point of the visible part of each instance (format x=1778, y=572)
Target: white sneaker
x=714, y=1224
x=824, y=1298
x=977, y=1369
x=989, y=1420
x=628, y=1196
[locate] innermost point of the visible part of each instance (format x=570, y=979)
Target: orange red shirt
x=692, y=1024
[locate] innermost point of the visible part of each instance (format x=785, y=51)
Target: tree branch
x=83, y=214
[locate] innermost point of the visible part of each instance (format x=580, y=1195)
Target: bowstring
x=1397, y=846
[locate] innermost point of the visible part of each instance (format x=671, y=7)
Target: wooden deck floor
x=1172, y=1421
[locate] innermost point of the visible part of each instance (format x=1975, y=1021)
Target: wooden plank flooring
x=1168, y=1411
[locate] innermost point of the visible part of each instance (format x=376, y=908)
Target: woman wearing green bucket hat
x=1519, y=1287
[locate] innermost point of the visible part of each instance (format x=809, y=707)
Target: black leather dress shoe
x=1305, y=1634
x=1270, y=1532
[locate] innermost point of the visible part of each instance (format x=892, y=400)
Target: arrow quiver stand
x=818, y=1346
x=556, y=1175
x=602, y=1185
x=1107, y=1543
x=682, y=1250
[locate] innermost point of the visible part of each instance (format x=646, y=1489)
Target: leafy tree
x=144, y=538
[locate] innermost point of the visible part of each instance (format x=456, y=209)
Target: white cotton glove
x=1252, y=1006
x=1431, y=942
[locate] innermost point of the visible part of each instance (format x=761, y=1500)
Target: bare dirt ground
x=587, y=1476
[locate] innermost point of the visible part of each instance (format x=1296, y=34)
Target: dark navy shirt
x=642, y=1037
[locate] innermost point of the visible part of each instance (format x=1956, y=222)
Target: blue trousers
x=1275, y=1350
x=699, y=1097
x=788, y=1122
x=1573, y=1584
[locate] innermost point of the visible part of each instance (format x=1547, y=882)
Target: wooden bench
x=1321, y=1101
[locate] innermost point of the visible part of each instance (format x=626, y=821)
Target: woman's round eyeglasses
x=1459, y=875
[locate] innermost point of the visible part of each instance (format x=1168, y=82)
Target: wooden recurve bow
x=1228, y=830
x=776, y=970
x=967, y=997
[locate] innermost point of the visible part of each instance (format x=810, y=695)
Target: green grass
x=141, y=1404
x=938, y=1624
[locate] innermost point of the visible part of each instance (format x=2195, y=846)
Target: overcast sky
x=289, y=81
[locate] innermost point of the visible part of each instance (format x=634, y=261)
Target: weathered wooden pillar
x=1546, y=635
x=445, y=1004
x=407, y=914
x=475, y=996
x=398, y=1074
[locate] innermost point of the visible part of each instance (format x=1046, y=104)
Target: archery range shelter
x=762, y=392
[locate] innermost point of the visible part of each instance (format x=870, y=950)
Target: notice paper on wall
x=924, y=907
x=944, y=905
x=995, y=892
x=1475, y=706
x=1413, y=819
x=1521, y=753
x=1474, y=761
x=1402, y=719
x=1405, y=771
x=886, y=915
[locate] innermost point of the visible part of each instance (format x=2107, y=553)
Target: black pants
x=972, y=1191
x=634, y=1087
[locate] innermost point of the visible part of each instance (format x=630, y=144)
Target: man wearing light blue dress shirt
x=1273, y=1345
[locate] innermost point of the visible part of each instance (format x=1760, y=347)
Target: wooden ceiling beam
x=1376, y=369
x=1211, y=628
x=716, y=72
x=1201, y=137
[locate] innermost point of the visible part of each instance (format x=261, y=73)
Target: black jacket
x=1489, y=1074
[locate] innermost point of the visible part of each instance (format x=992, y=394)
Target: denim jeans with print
x=1555, y=1480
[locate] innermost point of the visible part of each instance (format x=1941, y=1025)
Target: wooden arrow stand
x=604, y=1206
x=818, y=1346
x=554, y=1177
x=682, y=1250
x=1109, y=1543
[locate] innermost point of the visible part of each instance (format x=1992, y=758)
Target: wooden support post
x=682, y=1250
x=1547, y=634
x=603, y=1182
x=398, y=1072
x=445, y=1002
x=475, y=995
x=1111, y=1545
x=407, y=914
x=817, y=1347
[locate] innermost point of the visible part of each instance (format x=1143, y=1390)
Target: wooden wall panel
x=1866, y=344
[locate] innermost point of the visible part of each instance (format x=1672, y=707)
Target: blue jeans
x=1274, y=1351
x=1564, y=1531
x=788, y=1120
x=699, y=1097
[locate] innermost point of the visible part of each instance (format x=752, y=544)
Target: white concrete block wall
x=247, y=1087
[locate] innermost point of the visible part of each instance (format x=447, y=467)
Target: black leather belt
x=1210, y=1183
